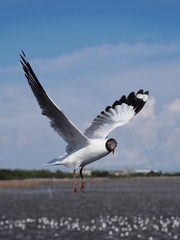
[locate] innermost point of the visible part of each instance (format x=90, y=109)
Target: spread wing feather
x=117, y=115
x=58, y=121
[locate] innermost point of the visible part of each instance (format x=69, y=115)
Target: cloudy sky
x=87, y=54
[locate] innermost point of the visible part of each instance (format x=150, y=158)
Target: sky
x=87, y=54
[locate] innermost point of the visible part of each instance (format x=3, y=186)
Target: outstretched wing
x=58, y=121
x=117, y=115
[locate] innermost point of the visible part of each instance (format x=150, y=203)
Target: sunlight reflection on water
x=112, y=226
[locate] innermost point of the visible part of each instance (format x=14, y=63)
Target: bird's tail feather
x=56, y=161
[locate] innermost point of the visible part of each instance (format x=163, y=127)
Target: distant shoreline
x=35, y=182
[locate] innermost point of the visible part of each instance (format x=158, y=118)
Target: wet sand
x=130, y=208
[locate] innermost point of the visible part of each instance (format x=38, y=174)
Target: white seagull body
x=93, y=150
x=87, y=147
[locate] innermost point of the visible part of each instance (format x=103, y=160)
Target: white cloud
x=90, y=56
x=175, y=106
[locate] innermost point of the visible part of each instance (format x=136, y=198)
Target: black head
x=111, y=144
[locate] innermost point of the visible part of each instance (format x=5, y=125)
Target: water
x=145, y=208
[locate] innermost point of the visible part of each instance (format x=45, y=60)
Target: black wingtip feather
x=140, y=91
x=107, y=108
x=115, y=103
x=131, y=100
x=31, y=77
x=23, y=53
x=140, y=102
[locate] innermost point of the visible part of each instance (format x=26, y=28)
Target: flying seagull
x=93, y=144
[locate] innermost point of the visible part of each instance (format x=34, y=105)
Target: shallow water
x=144, y=208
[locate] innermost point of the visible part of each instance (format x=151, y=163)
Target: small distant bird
x=93, y=144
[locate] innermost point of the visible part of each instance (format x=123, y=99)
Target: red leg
x=82, y=182
x=75, y=181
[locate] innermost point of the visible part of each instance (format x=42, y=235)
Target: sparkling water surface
x=135, y=208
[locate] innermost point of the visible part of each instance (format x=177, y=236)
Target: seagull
x=93, y=144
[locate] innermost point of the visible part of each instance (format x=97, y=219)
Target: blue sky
x=86, y=55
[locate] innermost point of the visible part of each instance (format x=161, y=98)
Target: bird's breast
x=95, y=150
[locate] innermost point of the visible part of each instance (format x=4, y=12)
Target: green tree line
x=8, y=174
